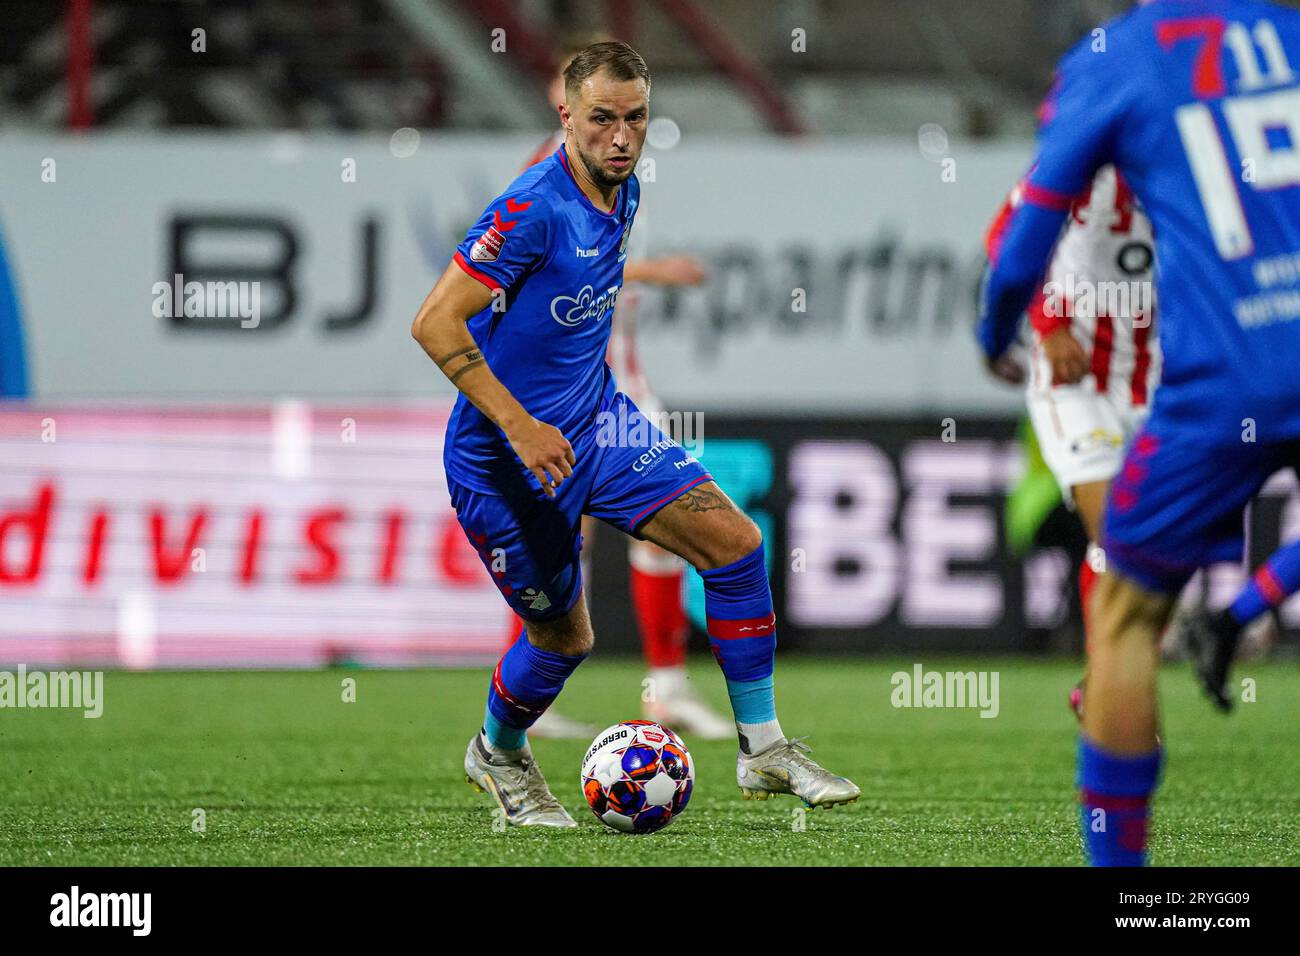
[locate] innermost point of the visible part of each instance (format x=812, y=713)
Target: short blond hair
x=612, y=56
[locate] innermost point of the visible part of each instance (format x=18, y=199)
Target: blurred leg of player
x=1089, y=499
x=1176, y=506
x=1092, y=371
x=1082, y=433
x=1213, y=638
x=1119, y=754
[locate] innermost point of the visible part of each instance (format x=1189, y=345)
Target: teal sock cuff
x=501, y=736
x=753, y=701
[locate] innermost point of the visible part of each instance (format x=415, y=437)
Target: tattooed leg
x=706, y=497
x=704, y=527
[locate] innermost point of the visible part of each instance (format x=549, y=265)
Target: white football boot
x=676, y=706
x=783, y=768
x=516, y=785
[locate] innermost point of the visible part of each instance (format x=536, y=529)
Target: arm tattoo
x=472, y=360
x=447, y=358
x=700, y=499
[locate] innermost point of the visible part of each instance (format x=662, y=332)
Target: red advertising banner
x=288, y=535
x=200, y=536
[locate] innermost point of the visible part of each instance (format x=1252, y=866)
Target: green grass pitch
x=285, y=772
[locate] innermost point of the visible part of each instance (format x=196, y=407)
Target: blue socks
x=753, y=701
x=1276, y=580
x=525, y=682
x=1114, y=803
x=742, y=634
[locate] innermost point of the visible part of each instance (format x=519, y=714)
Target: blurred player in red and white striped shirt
x=1094, y=356
x=656, y=576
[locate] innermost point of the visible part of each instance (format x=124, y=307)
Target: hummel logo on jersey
x=572, y=312
x=511, y=206
x=489, y=244
x=588, y=253
x=535, y=599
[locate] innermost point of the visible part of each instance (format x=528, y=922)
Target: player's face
x=608, y=119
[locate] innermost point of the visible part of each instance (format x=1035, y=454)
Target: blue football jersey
x=555, y=264
x=1197, y=102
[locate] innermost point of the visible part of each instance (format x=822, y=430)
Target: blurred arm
x=1014, y=273
x=1080, y=119
x=666, y=270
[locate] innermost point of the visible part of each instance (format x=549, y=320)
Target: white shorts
x=1083, y=433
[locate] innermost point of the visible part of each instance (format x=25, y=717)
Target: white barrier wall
x=843, y=271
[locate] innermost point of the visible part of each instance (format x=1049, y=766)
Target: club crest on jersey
x=488, y=246
x=622, y=246
x=572, y=311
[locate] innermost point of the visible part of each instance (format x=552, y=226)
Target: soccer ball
x=637, y=776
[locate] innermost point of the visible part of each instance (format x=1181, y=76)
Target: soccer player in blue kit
x=540, y=434
x=1197, y=104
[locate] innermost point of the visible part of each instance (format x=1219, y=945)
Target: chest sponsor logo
x=572, y=311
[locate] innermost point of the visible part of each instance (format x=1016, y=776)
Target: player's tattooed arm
x=461, y=361
x=442, y=331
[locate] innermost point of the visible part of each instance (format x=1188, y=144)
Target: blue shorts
x=530, y=542
x=1178, y=503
